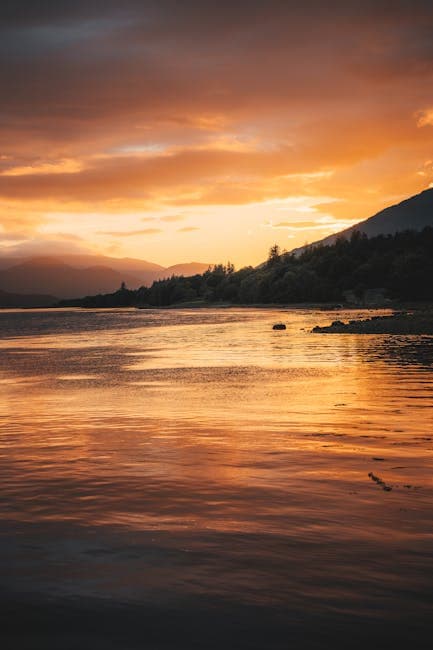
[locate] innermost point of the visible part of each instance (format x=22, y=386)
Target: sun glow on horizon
x=247, y=137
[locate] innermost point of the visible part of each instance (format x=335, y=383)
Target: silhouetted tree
x=401, y=264
x=273, y=255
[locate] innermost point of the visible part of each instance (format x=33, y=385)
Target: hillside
x=191, y=268
x=143, y=271
x=23, y=300
x=48, y=275
x=72, y=276
x=358, y=270
x=414, y=213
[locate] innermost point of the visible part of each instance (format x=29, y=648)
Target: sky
x=178, y=131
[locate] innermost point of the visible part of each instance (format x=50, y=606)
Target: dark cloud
x=28, y=13
x=104, y=71
x=222, y=102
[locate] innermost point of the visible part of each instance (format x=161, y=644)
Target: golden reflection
x=217, y=426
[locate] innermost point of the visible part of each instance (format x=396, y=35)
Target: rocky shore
x=399, y=323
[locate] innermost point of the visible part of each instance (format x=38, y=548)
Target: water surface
x=194, y=479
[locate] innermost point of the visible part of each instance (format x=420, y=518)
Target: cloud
x=54, y=167
x=207, y=176
x=171, y=218
x=130, y=233
x=13, y=236
x=425, y=118
x=295, y=224
x=45, y=245
x=131, y=107
x=135, y=74
x=188, y=229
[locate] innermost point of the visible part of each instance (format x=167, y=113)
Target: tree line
x=401, y=265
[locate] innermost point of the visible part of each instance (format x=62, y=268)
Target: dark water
x=193, y=479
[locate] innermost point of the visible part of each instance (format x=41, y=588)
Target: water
x=194, y=479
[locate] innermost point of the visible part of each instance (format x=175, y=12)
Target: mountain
x=74, y=276
x=360, y=271
x=414, y=213
x=49, y=275
x=24, y=300
x=143, y=271
x=191, y=268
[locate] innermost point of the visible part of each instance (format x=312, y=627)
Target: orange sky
x=179, y=131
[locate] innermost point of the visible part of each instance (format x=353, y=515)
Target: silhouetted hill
x=72, y=276
x=190, y=268
x=414, y=213
x=145, y=272
x=48, y=275
x=24, y=300
x=358, y=270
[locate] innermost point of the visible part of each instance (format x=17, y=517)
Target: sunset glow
x=178, y=131
x=215, y=436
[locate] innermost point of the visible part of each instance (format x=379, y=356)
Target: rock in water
x=279, y=326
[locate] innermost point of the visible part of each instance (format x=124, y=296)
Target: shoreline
x=405, y=323
x=419, y=307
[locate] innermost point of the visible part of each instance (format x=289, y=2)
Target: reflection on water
x=176, y=465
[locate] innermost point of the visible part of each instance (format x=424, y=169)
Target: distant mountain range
x=414, y=213
x=44, y=279
x=73, y=276
x=23, y=300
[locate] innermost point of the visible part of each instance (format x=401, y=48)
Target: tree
x=274, y=255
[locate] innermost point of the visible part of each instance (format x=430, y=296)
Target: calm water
x=194, y=479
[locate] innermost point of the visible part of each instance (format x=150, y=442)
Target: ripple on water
x=162, y=458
